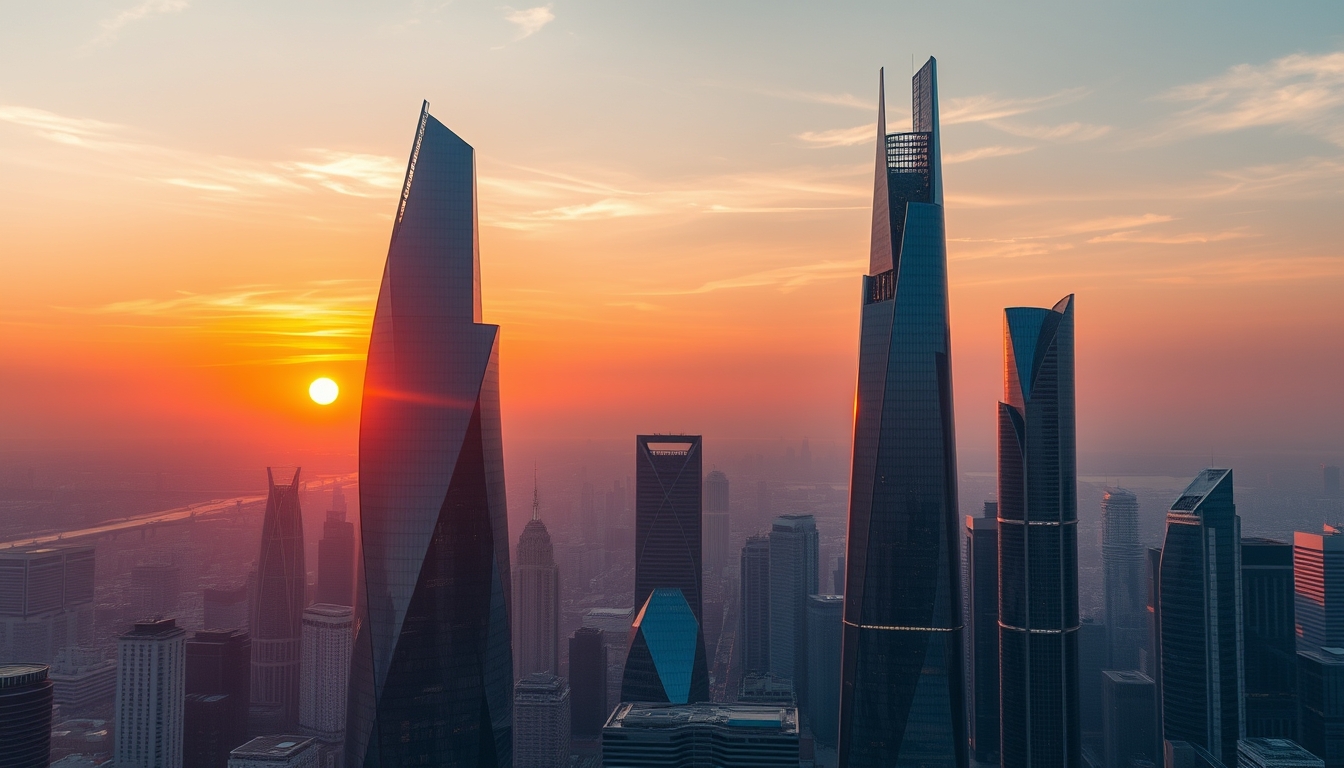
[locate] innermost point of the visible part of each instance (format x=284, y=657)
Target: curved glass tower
x=902, y=701
x=432, y=669
x=1038, y=542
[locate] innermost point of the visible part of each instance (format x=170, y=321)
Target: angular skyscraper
x=1038, y=543
x=1123, y=585
x=982, y=629
x=667, y=517
x=336, y=555
x=1200, y=594
x=667, y=653
x=902, y=702
x=277, y=612
x=536, y=600
x=432, y=672
x=793, y=576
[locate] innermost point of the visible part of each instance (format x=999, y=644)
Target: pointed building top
x=536, y=498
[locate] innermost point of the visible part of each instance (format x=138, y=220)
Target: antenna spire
x=536, y=499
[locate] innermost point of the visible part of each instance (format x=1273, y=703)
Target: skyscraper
x=151, y=679
x=1320, y=678
x=1268, y=638
x=666, y=662
x=218, y=692
x=825, y=616
x=46, y=602
x=328, y=636
x=431, y=680
x=541, y=722
x=717, y=534
x=588, y=682
x=1201, y=618
x=1318, y=577
x=902, y=702
x=336, y=555
x=536, y=600
x=793, y=576
x=25, y=716
x=1038, y=542
x=667, y=517
x=1129, y=729
x=1123, y=584
x=982, y=612
x=754, y=633
x=277, y=613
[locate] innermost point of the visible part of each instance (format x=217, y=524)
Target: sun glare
x=323, y=391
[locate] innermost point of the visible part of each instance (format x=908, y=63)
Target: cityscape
x=428, y=555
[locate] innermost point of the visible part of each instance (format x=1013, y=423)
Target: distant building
x=336, y=555
x=982, y=631
x=1129, y=715
x=25, y=716
x=753, y=634
x=824, y=630
x=1320, y=679
x=701, y=736
x=793, y=576
x=1330, y=478
x=1318, y=576
x=151, y=683
x=1202, y=618
x=275, y=752
x=1274, y=753
x=328, y=640
x=1123, y=579
x=218, y=692
x=1269, y=639
x=83, y=680
x=1091, y=662
x=666, y=662
x=615, y=624
x=588, y=682
x=767, y=688
x=536, y=600
x=46, y=602
x=541, y=722
x=227, y=608
x=717, y=536
x=277, y=615
x=156, y=589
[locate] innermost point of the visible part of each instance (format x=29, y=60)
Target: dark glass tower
x=588, y=682
x=794, y=550
x=336, y=555
x=667, y=653
x=753, y=634
x=217, y=694
x=1122, y=579
x=432, y=670
x=1268, y=638
x=1038, y=542
x=25, y=716
x=982, y=611
x=902, y=702
x=1200, y=596
x=277, y=611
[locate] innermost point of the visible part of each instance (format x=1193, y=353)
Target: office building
x=1318, y=575
x=46, y=602
x=667, y=517
x=536, y=600
x=825, y=619
x=1268, y=639
x=1274, y=753
x=83, y=680
x=218, y=694
x=432, y=675
x=766, y=688
x=156, y=589
x=982, y=632
x=1201, y=618
x=1123, y=585
x=1091, y=663
x=277, y=613
x=541, y=722
x=336, y=555
x=25, y=716
x=902, y=695
x=588, y=682
x=701, y=736
x=1129, y=719
x=328, y=640
x=793, y=576
x=276, y=752
x=753, y=635
x=1320, y=679
x=615, y=624
x=717, y=536
x=151, y=684
x=227, y=608
x=666, y=662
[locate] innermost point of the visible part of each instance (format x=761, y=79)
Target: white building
x=151, y=683
x=328, y=634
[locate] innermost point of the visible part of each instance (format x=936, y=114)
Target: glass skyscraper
x=1122, y=578
x=1038, y=542
x=277, y=612
x=902, y=700
x=432, y=671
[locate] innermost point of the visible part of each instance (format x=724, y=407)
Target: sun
x=323, y=391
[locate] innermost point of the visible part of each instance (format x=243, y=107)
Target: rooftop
x=15, y=675
x=273, y=747
x=782, y=720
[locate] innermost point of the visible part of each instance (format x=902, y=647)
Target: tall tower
x=218, y=688
x=432, y=672
x=753, y=634
x=336, y=555
x=1268, y=638
x=151, y=666
x=1200, y=594
x=793, y=576
x=982, y=613
x=1038, y=542
x=541, y=717
x=824, y=619
x=667, y=517
x=902, y=701
x=536, y=600
x=588, y=676
x=1122, y=579
x=277, y=612
x=328, y=634
x=716, y=523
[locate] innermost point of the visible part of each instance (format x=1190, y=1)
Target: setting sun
x=323, y=391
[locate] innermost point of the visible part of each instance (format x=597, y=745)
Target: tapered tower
x=277, y=611
x=536, y=599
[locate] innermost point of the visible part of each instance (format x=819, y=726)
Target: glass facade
x=432, y=674
x=1038, y=542
x=902, y=700
x=277, y=614
x=667, y=655
x=982, y=610
x=1122, y=577
x=1268, y=638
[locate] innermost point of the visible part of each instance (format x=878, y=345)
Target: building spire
x=536, y=500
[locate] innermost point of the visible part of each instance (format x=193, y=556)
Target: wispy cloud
x=986, y=107
x=1301, y=92
x=1185, y=238
x=529, y=20
x=113, y=26
x=841, y=137
x=1062, y=132
x=783, y=278
x=980, y=153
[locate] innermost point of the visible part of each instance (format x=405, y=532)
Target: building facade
x=615, y=624
x=328, y=641
x=1318, y=576
x=25, y=716
x=701, y=736
x=536, y=600
x=46, y=602
x=151, y=684
x=753, y=635
x=1268, y=639
x=1129, y=719
x=982, y=632
x=717, y=530
x=1274, y=753
x=666, y=662
x=336, y=555
x=541, y=722
x=667, y=517
x=432, y=675
x=588, y=682
x=902, y=700
x=275, y=752
x=794, y=552
x=1123, y=584
x=83, y=680
x=825, y=620
x=1200, y=594
x=1320, y=679
x=218, y=693
x=277, y=613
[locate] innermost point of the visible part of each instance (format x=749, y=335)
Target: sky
x=674, y=202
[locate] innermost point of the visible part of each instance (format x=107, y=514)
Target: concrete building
x=1268, y=638
x=1318, y=582
x=541, y=722
x=701, y=736
x=615, y=624
x=46, y=602
x=717, y=527
x=275, y=752
x=1320, y=678
x=328, y=640
x=753, y=634
x=83, y=680
x=151, y=685
x=536, y=599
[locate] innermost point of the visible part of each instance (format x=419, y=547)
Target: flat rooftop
x=757, y=717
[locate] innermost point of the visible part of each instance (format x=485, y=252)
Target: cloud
x=1301, y=92
x=1188, y=238
x=841, y=137
x=979, y=153
x=1064, y=132
x=112, y=27
x=784, y=278
x=1114, y=223
x=530, y=20
x=350, y=173
x=986, y=107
